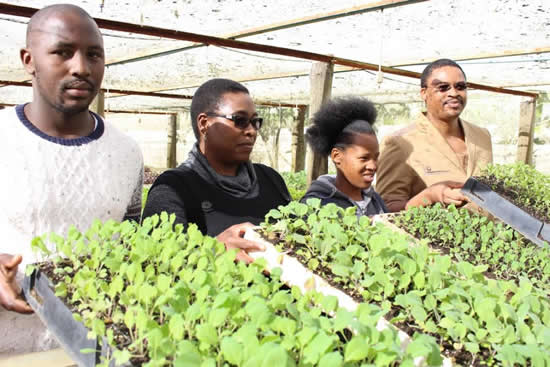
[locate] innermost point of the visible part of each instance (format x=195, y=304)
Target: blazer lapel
x=471, y=145
x=437, y=142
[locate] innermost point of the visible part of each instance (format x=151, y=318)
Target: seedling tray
x=530, y=227
x=71, y=334
x=296, y=274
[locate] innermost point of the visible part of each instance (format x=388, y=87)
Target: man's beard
x=58, y=103
x=69, y=111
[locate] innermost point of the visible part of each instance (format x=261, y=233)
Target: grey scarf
x=243, y=185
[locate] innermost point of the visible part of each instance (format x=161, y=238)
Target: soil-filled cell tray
x=532, y=228
x=71, y=334
x=294, y=273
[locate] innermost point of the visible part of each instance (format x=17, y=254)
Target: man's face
x=445, y=94
x=66, y=58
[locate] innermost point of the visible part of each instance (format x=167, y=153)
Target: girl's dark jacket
x=323, y=188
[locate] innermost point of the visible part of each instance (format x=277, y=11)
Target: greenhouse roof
x=499, y=43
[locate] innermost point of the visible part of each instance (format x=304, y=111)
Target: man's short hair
x=209, y=95
x=50, y=10
x=436, y=65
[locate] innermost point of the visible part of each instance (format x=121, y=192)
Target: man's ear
x=336, y=156
x=27, y=60
x=202, y=124
x=423, y=93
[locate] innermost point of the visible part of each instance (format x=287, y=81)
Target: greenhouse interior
x=435, y=283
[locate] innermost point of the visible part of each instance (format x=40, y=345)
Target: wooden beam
x=523, y=85
x=277, y=104
x=501, y=90
x=526, y=131
x=358, y=9
x=15, y=83
x=112, y=111
x=147, y=94
x=354, y=10
x=125, y=92
x=298, y=141
x=172, y=142
x=217, y=41
x=320, y=86
x=183, y=36
x=243, y=80
x=133, y=112
x=343, y=69
x=401, y=63
x=110, y=90
x=98, y=104
x=480, y=56
x=416, y=75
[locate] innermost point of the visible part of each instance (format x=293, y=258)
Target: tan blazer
x=418, y=156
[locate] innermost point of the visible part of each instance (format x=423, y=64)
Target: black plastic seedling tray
x=530, y=227
x=71, y=334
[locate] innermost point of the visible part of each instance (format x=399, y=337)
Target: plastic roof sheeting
x=405, y=36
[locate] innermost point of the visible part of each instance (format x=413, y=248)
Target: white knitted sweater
x=48, y=184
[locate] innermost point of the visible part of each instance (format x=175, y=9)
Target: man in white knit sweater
x=62, y=165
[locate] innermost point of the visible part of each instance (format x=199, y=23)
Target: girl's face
x=358, y=161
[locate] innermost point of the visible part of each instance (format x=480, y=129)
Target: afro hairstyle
x=338, y=120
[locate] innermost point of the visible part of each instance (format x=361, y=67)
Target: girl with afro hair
x=342, y=129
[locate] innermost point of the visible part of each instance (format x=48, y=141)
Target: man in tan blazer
x=429, y=161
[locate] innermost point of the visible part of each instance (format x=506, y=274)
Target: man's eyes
x=95, y=54
x=69, y=53
x=446, y=87
x=63, y=53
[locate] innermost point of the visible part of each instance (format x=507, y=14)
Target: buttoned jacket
x=418, y=156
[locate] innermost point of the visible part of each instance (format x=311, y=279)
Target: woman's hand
x=232, y=237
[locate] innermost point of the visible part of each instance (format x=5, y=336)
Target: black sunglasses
x=444, y=87
x=240, y=121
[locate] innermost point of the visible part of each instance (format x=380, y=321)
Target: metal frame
x=211, y=40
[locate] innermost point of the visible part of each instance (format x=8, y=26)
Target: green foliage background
x=296, y=183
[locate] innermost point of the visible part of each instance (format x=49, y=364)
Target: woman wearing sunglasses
x=217, y=187
x=342, y=129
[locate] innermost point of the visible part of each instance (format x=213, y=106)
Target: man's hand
x=232, y=237
x=447, y=192
x=10, y=297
